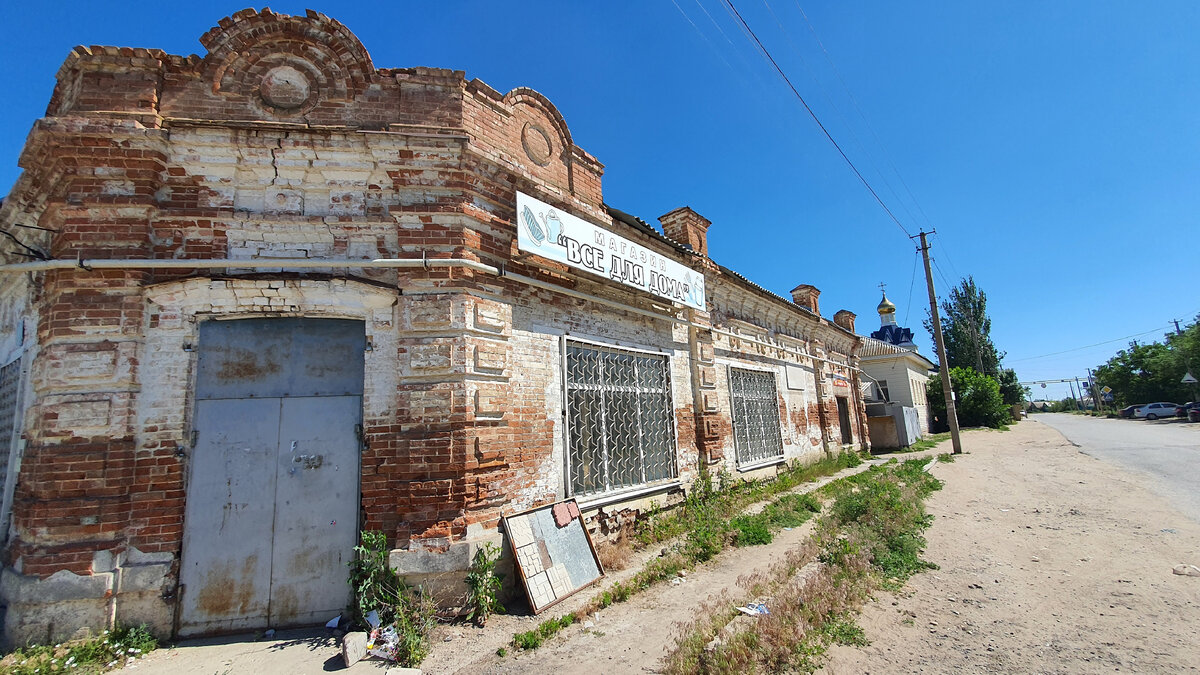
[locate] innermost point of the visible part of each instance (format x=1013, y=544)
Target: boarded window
x=619, y=420
x=756, y=431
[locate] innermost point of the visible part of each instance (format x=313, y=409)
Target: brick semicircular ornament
x=286, y=64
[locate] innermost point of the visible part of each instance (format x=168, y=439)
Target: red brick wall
x=145, y=154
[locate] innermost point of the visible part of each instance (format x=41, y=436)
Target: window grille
x=10, y=379
x=619, y=419
x=756, y=431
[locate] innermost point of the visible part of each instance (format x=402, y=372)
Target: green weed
x=533, y=639
x=843, y=630
x=870, y=535
x=107, y=651
x=751, y=530
x=378, y=587
x=483, y=585
x=709, y=519
x=926, y=442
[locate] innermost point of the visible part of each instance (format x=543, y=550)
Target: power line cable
x=942, y=274
x=741, y=63
x=878, y=142
x=862, y=147
x=816, y=119
x=946, y=255
x=720, y=54
x=882, y=146
x=913, y=280
x=704, y=37
x=1098, y=344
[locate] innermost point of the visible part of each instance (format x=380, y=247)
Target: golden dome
x=886, y=306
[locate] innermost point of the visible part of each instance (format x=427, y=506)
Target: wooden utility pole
x=1094, y=385
x=944, y=365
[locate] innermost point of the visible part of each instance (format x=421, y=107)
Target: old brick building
x=283, y=300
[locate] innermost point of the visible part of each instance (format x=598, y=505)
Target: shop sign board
x=555, y=234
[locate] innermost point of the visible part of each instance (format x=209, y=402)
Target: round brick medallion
x=537, y=144
x=285, y=88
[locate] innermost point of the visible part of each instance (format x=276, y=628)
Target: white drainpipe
x=310, y=263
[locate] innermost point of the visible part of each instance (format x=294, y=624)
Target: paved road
x=1165, y=452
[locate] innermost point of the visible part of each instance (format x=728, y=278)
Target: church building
x=897, y=371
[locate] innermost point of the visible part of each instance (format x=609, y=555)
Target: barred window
x=10, y=380
x=883, y=390
x=619, y=420
x=756, y=432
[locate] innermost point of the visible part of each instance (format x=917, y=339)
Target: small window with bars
x=757, y=434
x=10, y=383
x=883, y=390
x=620, y=432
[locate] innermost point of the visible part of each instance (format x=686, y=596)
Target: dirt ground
x=1050, y=561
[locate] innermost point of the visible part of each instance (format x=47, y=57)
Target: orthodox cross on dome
x=883, y=287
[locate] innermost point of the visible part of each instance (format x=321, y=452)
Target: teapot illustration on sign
x=554, y=227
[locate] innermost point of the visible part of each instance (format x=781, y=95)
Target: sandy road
x=1051, y=562
x=1166, y=452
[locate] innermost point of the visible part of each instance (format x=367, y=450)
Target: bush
x=706, y=540
x=378, y=587
x=978, y=402
x=751, y=530
x=483, y=585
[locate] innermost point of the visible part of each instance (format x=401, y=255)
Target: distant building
x=891, y=363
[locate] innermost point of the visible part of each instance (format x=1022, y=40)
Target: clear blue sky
x=1055, y=147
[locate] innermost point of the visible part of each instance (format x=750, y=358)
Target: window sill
x=596, y=501
x=762, y=465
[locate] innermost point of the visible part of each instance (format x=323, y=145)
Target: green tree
x=966, y=329
x=978, y=401
x=1065, y=405
x=1145, y=373
x=1010, y=389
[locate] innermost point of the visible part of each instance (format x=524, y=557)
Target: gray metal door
x=272, y=503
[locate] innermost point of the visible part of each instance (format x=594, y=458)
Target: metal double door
x=273, y=492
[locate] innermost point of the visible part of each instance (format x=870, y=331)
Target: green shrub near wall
x=978, y=401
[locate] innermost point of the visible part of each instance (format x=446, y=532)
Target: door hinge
x=361, y=436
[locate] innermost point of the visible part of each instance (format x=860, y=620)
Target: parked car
x=1194, y=415
x=1153, y=411
x=1182, y=411
x=1127, y=411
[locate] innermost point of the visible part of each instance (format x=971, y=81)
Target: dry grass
x=714, y=615
x=615, y=556
x=870, y=536
x=703, y=527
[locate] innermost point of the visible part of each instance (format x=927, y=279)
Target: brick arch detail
x=241, y=46
x=538, y=101
x=177, y=308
